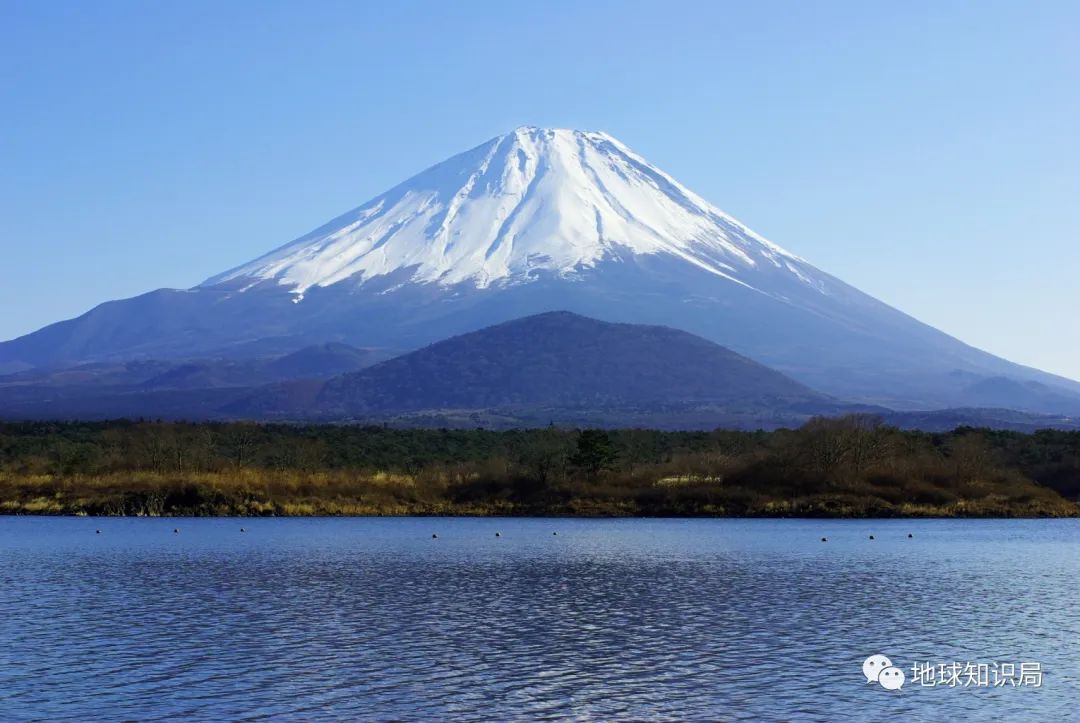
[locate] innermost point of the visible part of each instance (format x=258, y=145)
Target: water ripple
x=667, y=620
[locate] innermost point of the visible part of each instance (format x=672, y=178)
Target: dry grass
x=830, y=468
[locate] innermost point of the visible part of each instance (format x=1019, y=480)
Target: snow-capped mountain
x=533, y=221
x=534, y=200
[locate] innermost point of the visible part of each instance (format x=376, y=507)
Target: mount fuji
x=542, y=220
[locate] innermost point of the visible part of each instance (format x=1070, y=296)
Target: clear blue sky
x=928, y=153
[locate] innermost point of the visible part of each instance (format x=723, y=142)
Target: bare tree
x=840, y=447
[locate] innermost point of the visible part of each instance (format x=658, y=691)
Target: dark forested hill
x=551, y=362
x=553, y=367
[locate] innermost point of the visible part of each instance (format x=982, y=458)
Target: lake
x=373, y=618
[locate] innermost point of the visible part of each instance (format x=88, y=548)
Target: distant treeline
x=847, y=466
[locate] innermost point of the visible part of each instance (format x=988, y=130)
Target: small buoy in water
x=554, y=533
x=498, y=534
x=434, y=536
x=97, y=532
x=910, y=535
x=176, y=530
x=824, y=539
x=243, y=530
x=871, y=537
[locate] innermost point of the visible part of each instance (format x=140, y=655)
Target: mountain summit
x=530, y=202
x=534, y=221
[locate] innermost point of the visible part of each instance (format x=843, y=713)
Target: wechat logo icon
x=879, y=669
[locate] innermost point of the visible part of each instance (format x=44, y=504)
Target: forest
x=851, y=466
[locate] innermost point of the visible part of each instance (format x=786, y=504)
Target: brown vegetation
x=844, y=467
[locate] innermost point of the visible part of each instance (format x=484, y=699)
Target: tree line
x=851, y=465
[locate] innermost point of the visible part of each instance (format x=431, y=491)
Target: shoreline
x=471, y=514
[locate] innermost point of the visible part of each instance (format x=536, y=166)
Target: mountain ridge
x=552, y=367
x=554, y=364
x=575, y=221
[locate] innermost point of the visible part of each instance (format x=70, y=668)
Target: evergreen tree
x=595, y=453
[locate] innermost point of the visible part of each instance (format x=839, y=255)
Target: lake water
x=685, y=619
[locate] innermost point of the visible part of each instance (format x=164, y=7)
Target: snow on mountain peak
x=533, y=200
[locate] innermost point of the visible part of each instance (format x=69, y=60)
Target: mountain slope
x=549, y=364
x=324, y=360
x=533, y=221
x=1029, y=396
x=192, y=389
x=532, y=201
x=320, y=361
